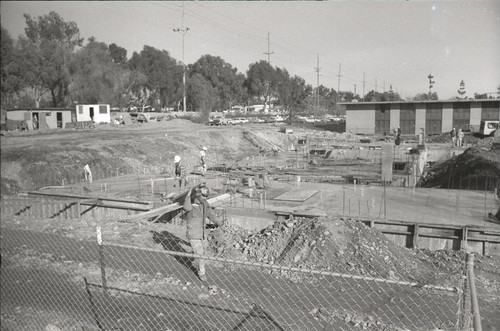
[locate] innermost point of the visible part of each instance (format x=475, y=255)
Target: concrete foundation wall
x=419, y=117
x=395, y=116
x=361, y=121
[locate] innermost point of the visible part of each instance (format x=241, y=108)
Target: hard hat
x=177, y=158
x=204, y=148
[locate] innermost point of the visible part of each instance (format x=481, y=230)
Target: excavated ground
x=32, y=160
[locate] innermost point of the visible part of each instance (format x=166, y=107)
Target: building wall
x=395, y=116
x=447, y=122
x=16, y=115
x=47, y=117
x=475, y=114
x=419, y=117
x=83, y=113
x=361, y=119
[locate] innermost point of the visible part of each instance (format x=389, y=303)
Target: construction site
x=320, y=230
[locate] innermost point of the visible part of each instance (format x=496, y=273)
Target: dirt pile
x=475, y=162
x=328, y=244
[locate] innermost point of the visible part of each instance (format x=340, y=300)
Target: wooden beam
x=154, y=212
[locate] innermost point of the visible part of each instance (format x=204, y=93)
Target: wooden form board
x=296, y=195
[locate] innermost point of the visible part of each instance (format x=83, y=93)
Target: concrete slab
x=296, y=195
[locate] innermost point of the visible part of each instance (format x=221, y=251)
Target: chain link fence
x=299, y=274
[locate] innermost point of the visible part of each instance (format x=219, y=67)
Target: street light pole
x=183, y=32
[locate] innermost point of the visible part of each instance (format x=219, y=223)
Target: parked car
x=220, y=121
x=233, y=121
x=243, y=120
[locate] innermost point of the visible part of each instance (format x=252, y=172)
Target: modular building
x=435, y=117
x=100, y=113
x=53, y=118
x=38, y=118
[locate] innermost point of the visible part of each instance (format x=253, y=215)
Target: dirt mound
x=475, y=162
x=328, y=244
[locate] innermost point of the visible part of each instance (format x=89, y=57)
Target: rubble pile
x=473, y=162
x=340, y=245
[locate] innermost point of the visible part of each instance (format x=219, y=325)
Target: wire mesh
x=296, y=275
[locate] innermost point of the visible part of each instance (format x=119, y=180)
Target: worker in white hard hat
x=88, y=173
x=180, y=172
x=203, y=161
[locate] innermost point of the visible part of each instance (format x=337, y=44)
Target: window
x=103, y=109
x=48, y=114
x=399, y=166
x=80, y=109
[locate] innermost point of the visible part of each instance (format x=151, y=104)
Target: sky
x=355, y=45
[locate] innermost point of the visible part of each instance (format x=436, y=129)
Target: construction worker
x=398, y=136
x=460, y=138
x=197, y=211
x=180, y=172
x=203, y=161
x=453, y=135
x=88, y=173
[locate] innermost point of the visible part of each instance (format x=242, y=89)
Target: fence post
x=101, y=259
x=476, y=318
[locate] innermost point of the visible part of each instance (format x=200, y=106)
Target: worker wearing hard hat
x=197, y=211
x=203, y=161
x=180, y=172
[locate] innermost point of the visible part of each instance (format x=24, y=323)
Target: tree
x=95, y=77
x=425, y=96
x=117, y=53
x=261, y=81
x=7, y=84
x=224, y=78
x=461, y=90
x=163, y=75
x=292, y=91
x=50, y=41
x=201, y=95
x=480, y=95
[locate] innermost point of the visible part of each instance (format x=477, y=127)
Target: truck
x=488, y=128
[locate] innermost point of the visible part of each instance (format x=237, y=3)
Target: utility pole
x=183, y=32
x=354, y=89
x=318, y=69
x=339, y=75
x=375, y=84
x=268, y=53
x=363, y=84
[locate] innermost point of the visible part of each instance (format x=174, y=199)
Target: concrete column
x=475, y=113
x=419, y=117
x=447, y=120
x=395, y=116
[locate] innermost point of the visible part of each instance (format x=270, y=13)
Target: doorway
x=59, y=119
x=91, y=110
x=36, y=123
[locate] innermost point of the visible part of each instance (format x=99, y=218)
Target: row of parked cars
x=244, y=120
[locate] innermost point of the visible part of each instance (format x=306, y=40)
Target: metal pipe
x=476, y=318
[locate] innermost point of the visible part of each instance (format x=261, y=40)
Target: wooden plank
x=74, y=196
x=155, y=212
